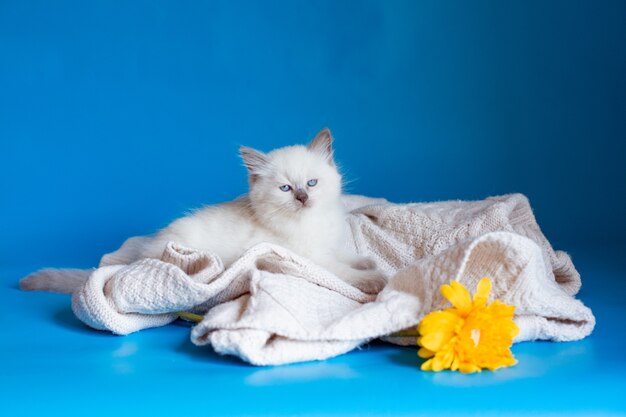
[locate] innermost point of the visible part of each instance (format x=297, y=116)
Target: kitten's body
x=230, y=228
x=293, y=201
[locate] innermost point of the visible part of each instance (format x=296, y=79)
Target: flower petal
x=447, y=357
x=439, y=363
x=458, y=295
x=482, y=292
x=499, y=309
x=468, y=368
x=434, y=341
x=425, y=353
x=439, y=321
x=427, y=366
x=455, y=364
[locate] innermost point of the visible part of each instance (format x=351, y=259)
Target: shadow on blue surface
x=193, y=352
x=65, y=318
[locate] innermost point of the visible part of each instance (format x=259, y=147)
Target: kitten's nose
x=301, y=196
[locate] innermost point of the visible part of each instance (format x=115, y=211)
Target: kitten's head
x=293, y=180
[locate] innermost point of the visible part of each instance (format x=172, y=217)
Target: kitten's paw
x=364, y=263
x=370, y=282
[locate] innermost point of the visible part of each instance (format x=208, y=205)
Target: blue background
x=117, y=117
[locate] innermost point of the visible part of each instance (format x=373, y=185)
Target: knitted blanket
x=274, y=307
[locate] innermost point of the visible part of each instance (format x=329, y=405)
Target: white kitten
x=293, y=201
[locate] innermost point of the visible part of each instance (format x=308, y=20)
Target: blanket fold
x=273, y=307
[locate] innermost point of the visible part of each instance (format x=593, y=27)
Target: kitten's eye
x=312, y=183
x=285, y=188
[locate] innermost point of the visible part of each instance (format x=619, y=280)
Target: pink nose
x=301, y=196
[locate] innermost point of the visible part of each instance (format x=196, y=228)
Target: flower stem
x=190, y=316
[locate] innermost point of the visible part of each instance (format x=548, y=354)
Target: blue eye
x=285, y=188
x=312, y=183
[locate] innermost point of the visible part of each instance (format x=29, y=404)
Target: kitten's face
x=293, y=180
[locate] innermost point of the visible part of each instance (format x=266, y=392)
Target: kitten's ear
x=254, y=160
x=323, y=144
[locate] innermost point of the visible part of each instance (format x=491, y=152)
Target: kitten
x=294, y=201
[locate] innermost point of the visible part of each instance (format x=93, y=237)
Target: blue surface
x=117, y=117
x=53, y=365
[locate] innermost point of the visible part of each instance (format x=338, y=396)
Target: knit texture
x=274, y=307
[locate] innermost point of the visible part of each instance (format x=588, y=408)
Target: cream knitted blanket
x=274, y=307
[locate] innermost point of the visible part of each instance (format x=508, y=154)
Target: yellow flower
x=471, y=335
